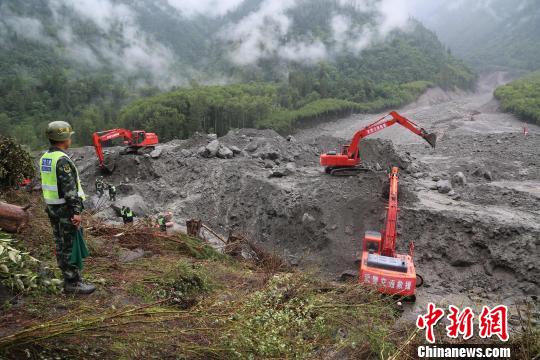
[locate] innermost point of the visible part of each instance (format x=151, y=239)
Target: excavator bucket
x=431, y=138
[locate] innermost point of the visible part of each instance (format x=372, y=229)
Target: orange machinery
x=381, y=266
x=134, y=140
x=348, y=160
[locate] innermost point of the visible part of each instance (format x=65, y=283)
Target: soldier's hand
x=76, y=220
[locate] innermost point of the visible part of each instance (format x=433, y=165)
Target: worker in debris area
x=64, y=197
x=162, y=223
x=127, y=214
x=100, y=186
x=112, y=192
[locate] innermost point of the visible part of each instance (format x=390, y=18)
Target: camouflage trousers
x=64, y=233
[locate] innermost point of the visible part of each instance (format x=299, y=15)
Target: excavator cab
x=138, y=137
x=372, y=242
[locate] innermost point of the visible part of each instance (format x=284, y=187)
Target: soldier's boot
x=79, y=287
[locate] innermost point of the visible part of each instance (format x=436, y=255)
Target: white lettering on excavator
x=399, y=284
x=375, y=279
x=408, y=285
x=376, y=128
x=366, y=278
x=383, y=281
x=392, y=284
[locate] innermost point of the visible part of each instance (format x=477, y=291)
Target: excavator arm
x=384, y=122
x=99, y=137
x=390, y=231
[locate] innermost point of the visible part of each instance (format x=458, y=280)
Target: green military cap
x=59, y=131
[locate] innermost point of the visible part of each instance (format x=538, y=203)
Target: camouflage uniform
x=60, y=216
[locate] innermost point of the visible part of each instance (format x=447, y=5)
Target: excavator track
x=347, y=171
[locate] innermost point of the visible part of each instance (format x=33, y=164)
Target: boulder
x=279, y=172
x=185, y=153
x=488, y=176
x=290, y=167
x=127, y=255
x=224, y=153
x=156, y=153
x=212, y=148
x=202, y=151
x=212, y=137
x=268, y=164
x=458, y=179
x=251, y=147
x=235, y=150
x=444, y=186
x=307, y=218
x=291, y=138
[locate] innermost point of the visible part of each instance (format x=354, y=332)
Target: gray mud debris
x=477, y=238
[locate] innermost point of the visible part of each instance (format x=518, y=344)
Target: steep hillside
x=498, y=32
x=522, y=97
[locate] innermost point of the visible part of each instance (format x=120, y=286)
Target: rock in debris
x=444, y=186
x=278, y=173
x=156, y=153
x=202, y=151
x=252, y=147
x=290, y=167
x=224, y=153
x=127, y=255
x=212, y=148
x=235, y=150
x=212, y=136
x=378, y=167
x=291, y=138
x=307, y=218
x=486, y=174
x=270, y=155
x=268, y=164
x=185, y=153
x=349, y=275
x=458, y=179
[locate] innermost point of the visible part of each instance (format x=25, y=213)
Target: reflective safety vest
x=161, y=221
x=112, y=189
x=126, y=213
x=49, y=181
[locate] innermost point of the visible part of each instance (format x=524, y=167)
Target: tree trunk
x=13, y=218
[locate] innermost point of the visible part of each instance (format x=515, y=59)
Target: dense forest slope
x=522, y=97
x=497, y=32
x=83, y=62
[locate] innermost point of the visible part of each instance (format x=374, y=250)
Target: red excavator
x=381, y=266
x=135, y=141
x=347, y=162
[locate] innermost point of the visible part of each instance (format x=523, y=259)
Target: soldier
x=161, y=222
x=112, y=192
x=64, y=197
x=127, y=214
x=99, y=186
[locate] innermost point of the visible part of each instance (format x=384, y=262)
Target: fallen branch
x=13, y=218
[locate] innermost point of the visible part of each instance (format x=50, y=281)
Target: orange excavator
x=347, y=161
x=134, y=140
x=391, y=273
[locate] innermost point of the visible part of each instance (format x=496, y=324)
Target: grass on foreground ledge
x=184, y=300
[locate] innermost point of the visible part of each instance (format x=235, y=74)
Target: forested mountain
x=496, y=32
x=94, y=63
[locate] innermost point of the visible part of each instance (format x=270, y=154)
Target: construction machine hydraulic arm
x=348, y=157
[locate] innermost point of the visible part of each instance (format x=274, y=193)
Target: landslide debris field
x=470, y=205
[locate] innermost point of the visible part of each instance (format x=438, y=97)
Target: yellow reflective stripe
x=55, y=201
x=50, y=187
